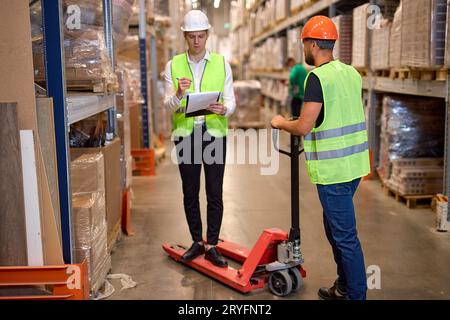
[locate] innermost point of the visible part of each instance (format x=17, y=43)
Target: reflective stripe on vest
x=340, y=153
x=338, y=132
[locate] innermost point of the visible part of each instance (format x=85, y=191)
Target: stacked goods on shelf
x=276, y=89
x=395, y=40
x=411, y=129
x=265, y=16
x=296, y=4
x=88, y=66
x=343, y=47
x=272, y=52
x=111, y=153
x=447, y=38
x=122, y=11
x=88, y=217
x=294, y=44
x=380, y=46
x=423, y=44
x=417, y=176
x=360, y=47
x=248, y=105
x=237, y=13
x=281, y=10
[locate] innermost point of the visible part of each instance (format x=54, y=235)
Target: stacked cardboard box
x=272, y=52
x=89, y=218
x=248, y=108
x=360, y=47
x=417, y=176
x=395, y=40
x=423, y=44
x=380, y=47
x=410, y=128
x=294, y=44
x=112, y=173
x=281, y=10
x=343, y=47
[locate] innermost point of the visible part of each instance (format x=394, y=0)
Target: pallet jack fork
x=275, y=258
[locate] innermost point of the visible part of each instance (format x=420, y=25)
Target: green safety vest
x=213, y=79
x=337, y=151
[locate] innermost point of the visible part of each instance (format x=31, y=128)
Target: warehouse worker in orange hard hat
x=200, y=140
x=332, y=123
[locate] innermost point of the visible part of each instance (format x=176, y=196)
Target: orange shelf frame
x=68, y=282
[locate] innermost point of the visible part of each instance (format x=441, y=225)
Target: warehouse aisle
x=413, y=258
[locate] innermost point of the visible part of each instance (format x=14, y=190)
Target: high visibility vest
x=337, y=151
x=213, y=79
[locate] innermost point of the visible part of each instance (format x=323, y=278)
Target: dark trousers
x=193, y=151
x=296, y=106
x=340, y=227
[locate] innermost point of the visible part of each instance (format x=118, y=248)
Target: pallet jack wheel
x=297, y=280
x=280, y=283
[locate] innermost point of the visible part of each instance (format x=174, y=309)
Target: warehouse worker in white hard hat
x=200, y=139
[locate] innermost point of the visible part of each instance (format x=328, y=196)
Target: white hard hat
x=195, y=20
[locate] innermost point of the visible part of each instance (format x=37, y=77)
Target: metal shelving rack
x=371, y=83
x=70, y=108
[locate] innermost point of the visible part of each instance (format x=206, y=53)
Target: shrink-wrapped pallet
x=380, y=47
x=360, y=47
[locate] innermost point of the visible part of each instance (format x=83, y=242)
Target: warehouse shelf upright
x=372, y=84
x=69, y=108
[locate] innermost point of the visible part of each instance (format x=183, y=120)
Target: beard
x=309, y=59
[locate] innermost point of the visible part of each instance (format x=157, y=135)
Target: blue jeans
x=340, y=227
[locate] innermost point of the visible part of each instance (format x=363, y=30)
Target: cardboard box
x=112, y=173
x=395, y=40
x=360, y=49
x=423, y=44
x=343, y=47
x=380, y=47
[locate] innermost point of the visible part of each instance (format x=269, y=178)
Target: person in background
x=198, y=70
x=297, y=76
x=336, y=149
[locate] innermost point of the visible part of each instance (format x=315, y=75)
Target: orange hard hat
x=321, y=28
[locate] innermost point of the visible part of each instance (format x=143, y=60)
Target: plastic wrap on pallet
x=248, y=103
x=360, y=47
x=89, y=216
x=86, y=57
x=395, y=39
x=380, y=46
x=36, y=19
x=122, y=11
x=423, y=44
x=87, y=12
x=411, y=127
x=343, y=47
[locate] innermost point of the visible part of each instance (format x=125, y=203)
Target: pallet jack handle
x=294, y=154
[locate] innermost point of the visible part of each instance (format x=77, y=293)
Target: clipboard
x=201, y=112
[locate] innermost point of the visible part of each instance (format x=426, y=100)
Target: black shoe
x=332, y=293
x=193, y=252
x=216, y=258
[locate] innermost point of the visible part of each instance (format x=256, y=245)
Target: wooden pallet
x=382, y=73
x=114, y=236
x=418, y=74
x=411, y=201
x=97, y=86
x=363, y=72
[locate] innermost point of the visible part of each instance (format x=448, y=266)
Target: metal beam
x=56, y=88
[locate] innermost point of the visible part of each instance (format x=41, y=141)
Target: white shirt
x=172, y=102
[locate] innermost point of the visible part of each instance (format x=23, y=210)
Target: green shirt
x=297, y=78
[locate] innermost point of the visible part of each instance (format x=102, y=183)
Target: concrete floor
x=413, y=258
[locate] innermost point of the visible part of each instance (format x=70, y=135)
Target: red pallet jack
x=275, y=258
